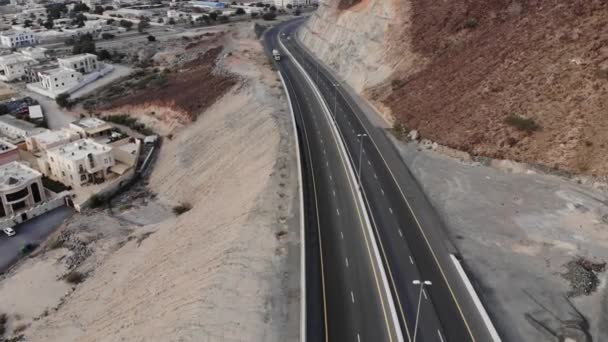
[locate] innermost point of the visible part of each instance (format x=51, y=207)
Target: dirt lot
x=207, y=250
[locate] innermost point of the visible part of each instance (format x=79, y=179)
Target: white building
x=37, y=53
x=58, y=80
x=11, y=39
x=47, y=140
x=20, y=189
x=15, y=131
x=8, y=152
x=14, y=66
x=79, y=163
x=84, y=63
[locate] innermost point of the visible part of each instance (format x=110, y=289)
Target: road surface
x=410, y=237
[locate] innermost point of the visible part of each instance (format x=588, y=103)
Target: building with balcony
x=14, y=66
x=17, y=38
x=79, y=163
x=20, y=189
x=50, y=139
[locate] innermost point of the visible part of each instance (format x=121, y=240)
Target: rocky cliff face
x=512, y=79
x=356, y=38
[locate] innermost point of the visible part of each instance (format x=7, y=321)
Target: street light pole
x=421, y=283
x=360, y=136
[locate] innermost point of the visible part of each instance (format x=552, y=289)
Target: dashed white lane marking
x=424, y=293
x=400, y=232
x=438, y=333
x=411, y=259
x=368, y=163
x=382, y=191
x=338, y=211
x=353, y=130
x=342, y=235
x=346, y=261
x=391, y=210
x=334, y=192
x=375, y=176
x=349, y=123
x=326, y=163
x=359, y=337
x=331, y=178
x=352, y=296
x=323, y=151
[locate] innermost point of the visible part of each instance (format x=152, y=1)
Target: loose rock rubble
x=581, y=273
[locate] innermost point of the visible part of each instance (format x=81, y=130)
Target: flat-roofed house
x=80, y=162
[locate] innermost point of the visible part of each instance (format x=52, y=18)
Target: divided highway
x=376, y=263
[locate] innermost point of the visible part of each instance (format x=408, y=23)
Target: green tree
x=151, y=38
x=269, y=16
x=27, y=23
x=126, y=24
x=171, y=21
x=239, y=11
x=48, y=24
x=80, y=7
x=98, y=10
x=103, y=54
x=83, y=44
x=63, y=100
x=213, y=16
x=143, y=24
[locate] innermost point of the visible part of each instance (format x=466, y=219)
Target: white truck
x=276, y=55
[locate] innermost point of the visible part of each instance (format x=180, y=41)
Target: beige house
x=79, y=163
x=91, y=128
x=47, y=140
x=84, y=63
x=15, y=131
x=20, y=189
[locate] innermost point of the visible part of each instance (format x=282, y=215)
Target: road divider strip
x=302, y=230
x=351, y=172
x=482, y=311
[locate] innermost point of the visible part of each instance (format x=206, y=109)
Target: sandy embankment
x=217, y=272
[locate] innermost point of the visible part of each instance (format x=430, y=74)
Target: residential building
x=14, y=66
x=91, y=128
x=79, y=163
x=8, y=152
x=37, y=53
x=84, y=63
x=15, y=131
x=58, y=80
x=50, y=139
x=20, y=189
x=12, y=39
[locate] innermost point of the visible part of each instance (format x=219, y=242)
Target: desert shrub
x=96, y=201
x=471, y=23
x=56, y=243
x=19, y=328
x=63, y=100
x=181, y=208
x=521, y=123
x=3, y=319
x=74, y=277
x=269, y=16
x=400, y=130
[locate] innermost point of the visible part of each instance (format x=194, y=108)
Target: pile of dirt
x=189, y=90
x=582, y=275
x=544, y=63
x=346, y=4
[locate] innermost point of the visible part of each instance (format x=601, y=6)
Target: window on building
x=36, y=193
x=83, y=178
x=62, y=173
x=17, y=195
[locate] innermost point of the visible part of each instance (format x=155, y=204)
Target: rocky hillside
x=521, y=80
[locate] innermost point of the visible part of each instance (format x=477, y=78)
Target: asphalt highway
x=409, y=236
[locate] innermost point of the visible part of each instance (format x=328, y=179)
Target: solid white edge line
x=302, y=235
x=476, y=300
x=342, y=148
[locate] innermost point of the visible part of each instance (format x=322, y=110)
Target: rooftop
x=79, y=149
x=50, y=137
x=75, y=58
x=14, y=58
x=55, y=71
x=88, y=123
x=10, y=120
x=13, y=32
x=15, y=174
x=6, y=146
